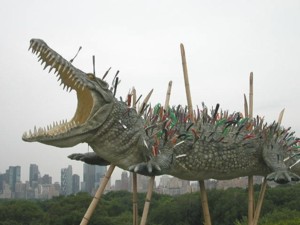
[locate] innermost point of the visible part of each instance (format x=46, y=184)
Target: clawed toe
x=283, y=177
x=146, y=168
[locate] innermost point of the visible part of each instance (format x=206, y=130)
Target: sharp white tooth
x=40, y=58
x=48, y=55
x=51, y=58
x=54, y=62
x=51, y=68
x=48, y=128
x=64, y=69
x=46, y=65
x=46, y=52
x=30, y=46
x=59, y=67
x=64, y=87
x=40, y=131
x=38, y=48
x=30, y=133
x=69, y=70
x=71, y=75
x=35, y=130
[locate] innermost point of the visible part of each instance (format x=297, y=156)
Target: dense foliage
x=281, y=207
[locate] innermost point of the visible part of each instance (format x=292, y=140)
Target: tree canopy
x=281, y=206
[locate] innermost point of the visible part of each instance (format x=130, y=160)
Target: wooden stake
x=250, y=178
x=134, y=176
x=141, y=110
x=251, y=96
x=186, y=81
x=203, y=193
x=250, y=200
x=259, y=202
x=134, y=199
x=91, y=209
x=168, y=96
x=152, y=179
x=280, y=117
x=147, y=201
x=204, y=203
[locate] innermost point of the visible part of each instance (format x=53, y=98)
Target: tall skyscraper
x=34, y=175
x=2, y=181
x=66, y=181
x=13, y=176
x=92, y=175
x=75, y=183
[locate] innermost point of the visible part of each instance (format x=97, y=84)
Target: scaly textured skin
x=164, y=141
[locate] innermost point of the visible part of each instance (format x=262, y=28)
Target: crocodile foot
x=149, y=168
x=283, y=177
x=89, y=158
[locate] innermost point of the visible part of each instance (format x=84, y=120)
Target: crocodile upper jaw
x=89, y=101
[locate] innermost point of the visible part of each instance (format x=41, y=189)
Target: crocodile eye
x=91, y=76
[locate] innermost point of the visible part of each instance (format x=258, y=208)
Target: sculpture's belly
x=213, y=162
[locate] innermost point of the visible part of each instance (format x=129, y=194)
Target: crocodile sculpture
x=154, y=141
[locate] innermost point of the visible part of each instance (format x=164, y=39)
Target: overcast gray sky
x=224, y=42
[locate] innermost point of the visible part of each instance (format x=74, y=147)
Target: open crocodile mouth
x=72, y=79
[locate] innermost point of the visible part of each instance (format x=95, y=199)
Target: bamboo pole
x=152, y=179
x=203, y=193
x=259, y=202
x=168, y=96
x=91, y=209
x=250, y=178
x=134, y=177
x=147, y=201
x=134, y=199
x=186, y=81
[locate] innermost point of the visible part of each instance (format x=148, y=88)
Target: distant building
x=66, y=181
x=75, y=183
x=46, y=179
x=124, y=183
x=13, y=176
x=6, y=192
x=241, y=182
x=142, y=183
x=2, y=180
x=173, y=186
x=34, y=175
x=92, y=175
